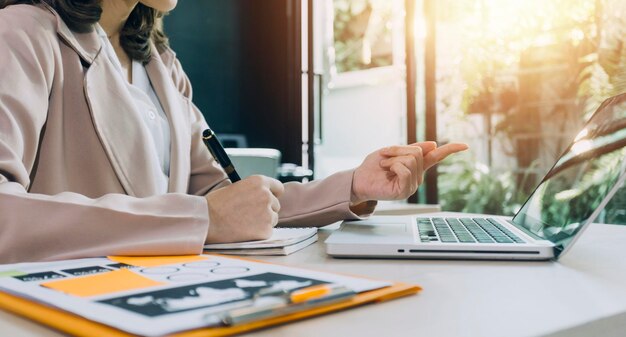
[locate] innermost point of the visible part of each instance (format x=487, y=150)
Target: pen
x=217, y=151
x=310, y=293
x=299, y=300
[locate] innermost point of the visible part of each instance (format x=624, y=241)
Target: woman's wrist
x=363, y=208
x=356, y=197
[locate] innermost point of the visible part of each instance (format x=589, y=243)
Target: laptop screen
x=582, y=180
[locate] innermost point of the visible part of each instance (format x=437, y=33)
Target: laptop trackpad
x=380, y=233
x=377, y=229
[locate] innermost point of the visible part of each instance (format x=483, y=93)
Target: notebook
x=283, y=241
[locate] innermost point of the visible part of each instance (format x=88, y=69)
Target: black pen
x=216, y=149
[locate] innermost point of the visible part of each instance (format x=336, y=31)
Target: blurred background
x=325, y=82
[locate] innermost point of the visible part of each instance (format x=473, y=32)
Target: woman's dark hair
x=143, y=25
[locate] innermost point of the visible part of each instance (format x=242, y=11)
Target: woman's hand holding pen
x=395, y=172
x=245, y=211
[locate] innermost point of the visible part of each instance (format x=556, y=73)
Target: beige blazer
x=74, y=177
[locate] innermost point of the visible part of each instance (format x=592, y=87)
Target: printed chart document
x=154, y=296
x=283, y=241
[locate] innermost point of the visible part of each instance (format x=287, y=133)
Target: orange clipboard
x=79, y=326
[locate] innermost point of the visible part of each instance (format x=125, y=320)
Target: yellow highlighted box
x=102, y=284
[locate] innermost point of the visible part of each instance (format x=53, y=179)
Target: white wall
x=359, y=118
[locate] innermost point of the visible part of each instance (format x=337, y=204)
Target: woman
x=101, y=154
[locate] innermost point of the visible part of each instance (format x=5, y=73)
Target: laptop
x=568, y=199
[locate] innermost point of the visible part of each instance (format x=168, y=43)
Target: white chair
x=251, y=161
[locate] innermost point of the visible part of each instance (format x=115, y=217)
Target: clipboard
x=79, y=326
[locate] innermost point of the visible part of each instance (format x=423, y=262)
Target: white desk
x=582, y=295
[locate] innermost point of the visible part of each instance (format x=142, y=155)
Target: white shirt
x=149, y=109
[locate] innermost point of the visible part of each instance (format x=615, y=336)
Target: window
x=364, y=92
x=362, y=34
x=516, y=80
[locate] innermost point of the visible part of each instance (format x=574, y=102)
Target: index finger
x=440, y=153
x=401, y=150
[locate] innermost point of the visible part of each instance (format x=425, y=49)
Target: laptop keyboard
x=464, y=230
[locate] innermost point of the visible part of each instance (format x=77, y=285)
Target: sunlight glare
x=534, y=22
x=582, y=134
x=420, y=30
x=582, y=146
x=567, y=194
x=366, y=52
